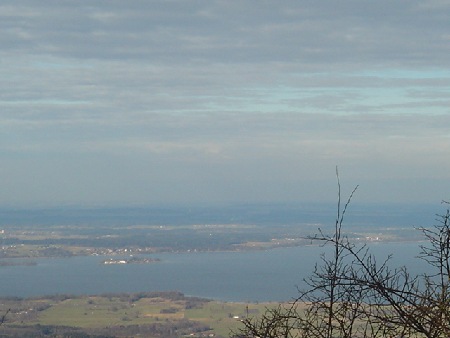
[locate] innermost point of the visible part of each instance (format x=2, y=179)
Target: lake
x=271, y=275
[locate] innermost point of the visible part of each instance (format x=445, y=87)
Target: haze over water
x=264, y=275
x=270, y=275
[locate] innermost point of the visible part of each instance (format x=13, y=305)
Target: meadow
x=125, y=314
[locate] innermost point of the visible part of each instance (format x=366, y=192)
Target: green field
x=100, y=314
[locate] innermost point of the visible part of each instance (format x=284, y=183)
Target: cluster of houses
x=131, y=260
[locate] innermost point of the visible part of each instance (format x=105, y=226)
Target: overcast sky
x=208, y=102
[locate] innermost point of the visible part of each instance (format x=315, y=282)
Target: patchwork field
x=145, y=314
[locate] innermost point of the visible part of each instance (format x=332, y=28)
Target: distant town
x=132, y=260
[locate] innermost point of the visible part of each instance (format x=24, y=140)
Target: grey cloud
x=384, y=32
x=203, y=98
x=213, y=133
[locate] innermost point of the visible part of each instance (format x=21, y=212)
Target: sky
x=136, y=103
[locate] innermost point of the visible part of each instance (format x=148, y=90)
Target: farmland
x=148, y=314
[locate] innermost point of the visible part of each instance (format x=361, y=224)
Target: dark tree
x=351, y=294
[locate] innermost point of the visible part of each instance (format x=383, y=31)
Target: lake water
x=271, y=275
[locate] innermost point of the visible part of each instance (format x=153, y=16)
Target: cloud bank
x=157, y=102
